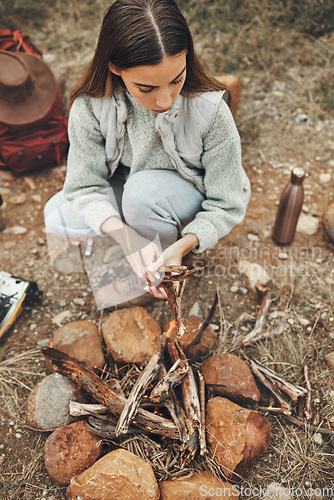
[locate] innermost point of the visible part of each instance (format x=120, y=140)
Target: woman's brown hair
x=141, y=33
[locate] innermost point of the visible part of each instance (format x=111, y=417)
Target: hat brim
x=39, y=103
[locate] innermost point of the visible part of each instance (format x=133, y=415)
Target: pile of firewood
x=116, y=415
x=156, y=389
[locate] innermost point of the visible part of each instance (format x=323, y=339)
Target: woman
x=155, y=158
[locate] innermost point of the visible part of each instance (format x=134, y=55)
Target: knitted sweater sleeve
x=86, y=183
x=226, y=183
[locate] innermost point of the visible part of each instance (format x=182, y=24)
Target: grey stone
x=47, y=406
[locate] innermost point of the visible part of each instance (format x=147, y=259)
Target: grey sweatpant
x=153, y=202
x=157, y=204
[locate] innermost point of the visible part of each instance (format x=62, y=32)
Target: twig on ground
x=308, y=407
x=256, y=333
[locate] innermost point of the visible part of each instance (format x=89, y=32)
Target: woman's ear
x=113, y=69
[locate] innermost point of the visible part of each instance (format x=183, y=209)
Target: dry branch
x=305, y=425
x=80, y=409
x=256, y=333
x=106, y=427
x=293, y=390
x=162, y=391
x=272, y=409
x=308, y=407
x=189, y=386
x=316, y=406
x=139, y=388
x=173, y=283
x=101, y=392
x=188, y=435
x=202, y=437
x=284, y=404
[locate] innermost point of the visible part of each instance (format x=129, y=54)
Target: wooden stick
x=173, y=283
x=273, y=409
x=189, y=386
x=316, y=405
x=106, y=428
x=101, y=392
x=308, y=407
x=293, y=390
x=285, y=405
x=162, y=391
x=305, y=425
x=80, y=409
x=256, y=333
x=188, y=435
x=202, y=437
x=139, y=388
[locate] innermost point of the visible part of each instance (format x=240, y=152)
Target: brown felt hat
x=27, y=88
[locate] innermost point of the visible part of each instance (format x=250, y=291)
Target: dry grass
x=302, y=460
x=13, y=377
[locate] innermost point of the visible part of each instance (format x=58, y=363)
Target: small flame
x=157, y=412
x=172, y=325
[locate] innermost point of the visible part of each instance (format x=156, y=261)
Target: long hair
x=141, y=33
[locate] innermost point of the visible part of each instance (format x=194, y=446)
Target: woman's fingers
x=140, y=261
x=157, y=292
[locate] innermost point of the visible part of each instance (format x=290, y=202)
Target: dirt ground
x=284, y=121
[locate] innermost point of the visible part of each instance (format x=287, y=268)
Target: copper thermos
x=289, y=208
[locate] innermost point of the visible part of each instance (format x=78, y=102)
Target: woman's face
x=155, y=87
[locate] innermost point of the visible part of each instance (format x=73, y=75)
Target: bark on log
x=101, y=392
x=138, y=390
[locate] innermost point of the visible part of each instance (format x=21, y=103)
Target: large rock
x=119, y=475
x=131, y=335
x=69, y=451
x=236, y=437
x=229, y=376
x=197, y=486
x=81, y=340
x=204, y=345
x=47, y=406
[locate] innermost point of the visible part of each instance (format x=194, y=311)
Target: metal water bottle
x=289, y=208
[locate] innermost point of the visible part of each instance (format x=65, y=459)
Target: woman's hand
x=172, y=256
x=144, y=255
x=139, y=251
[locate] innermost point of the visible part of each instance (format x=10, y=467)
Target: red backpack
x=37, y=144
